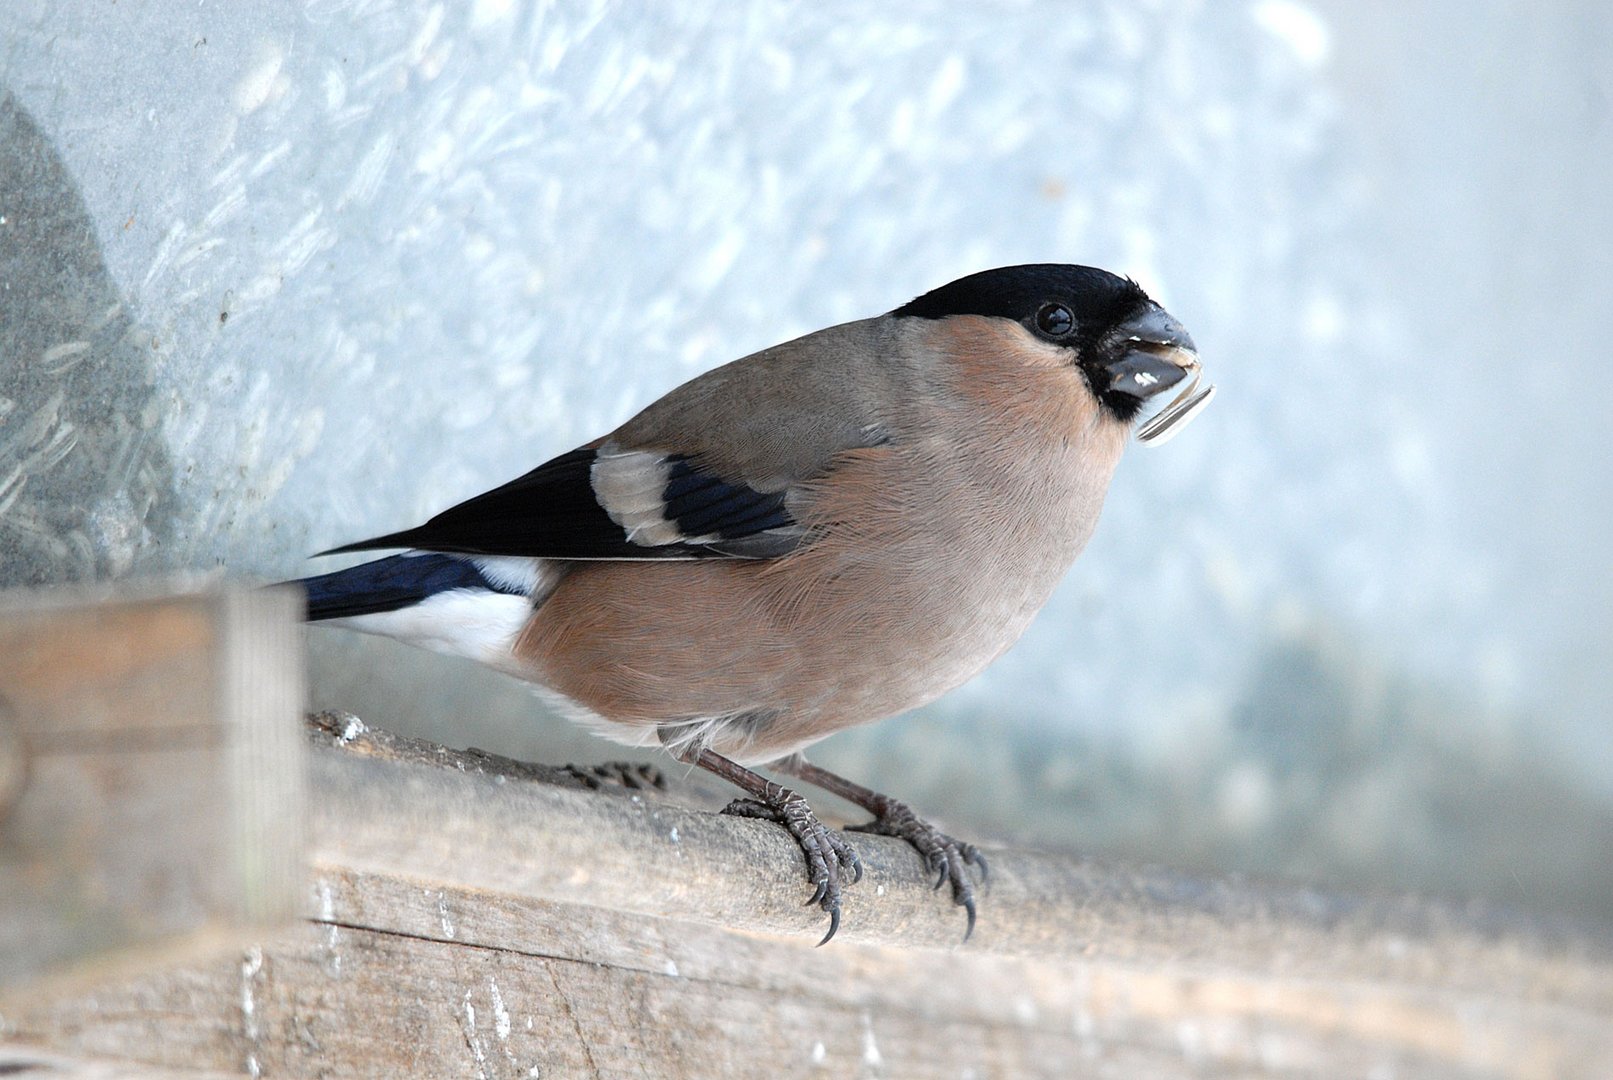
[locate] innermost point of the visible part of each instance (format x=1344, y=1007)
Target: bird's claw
x=943, y=856
x=830, y=857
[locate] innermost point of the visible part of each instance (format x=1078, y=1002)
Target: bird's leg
x=945, y=857
x=828, y=855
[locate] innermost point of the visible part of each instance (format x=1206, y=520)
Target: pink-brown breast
x=931, y=555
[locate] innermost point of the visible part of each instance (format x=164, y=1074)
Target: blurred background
x=278, y=277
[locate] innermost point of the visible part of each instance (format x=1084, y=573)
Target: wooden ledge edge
x=390, y=805
x=20, y=1059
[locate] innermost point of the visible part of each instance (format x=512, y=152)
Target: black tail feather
x=390, y=584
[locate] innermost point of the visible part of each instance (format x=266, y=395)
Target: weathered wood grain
x=469, y=916
x=399, y=978
x=391, y=806
x=33, y=1063
x=151, y=774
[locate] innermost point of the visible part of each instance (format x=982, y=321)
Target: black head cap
x=1098, y=299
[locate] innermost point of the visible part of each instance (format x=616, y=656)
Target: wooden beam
x=151, y=776
x=397, y=806
x=32, y=1063
x=470, y=916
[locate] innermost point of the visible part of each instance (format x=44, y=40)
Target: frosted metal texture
x=274, y=277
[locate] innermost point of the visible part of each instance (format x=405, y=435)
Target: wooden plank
x=393, y=806
x=151, y=775
x=39, y=1064
x=469, y=916
x=395, y=977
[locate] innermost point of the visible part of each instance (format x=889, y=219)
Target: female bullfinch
x=821, y=534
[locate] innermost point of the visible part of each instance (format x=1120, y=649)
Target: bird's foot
x=634, y=775
x=946, y=858
x=830, y=858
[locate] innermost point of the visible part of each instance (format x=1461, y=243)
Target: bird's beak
x=1155, y=353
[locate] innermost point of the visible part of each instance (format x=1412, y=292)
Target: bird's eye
x=1055, y=320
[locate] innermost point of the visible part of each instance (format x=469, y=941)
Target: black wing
x=677, y=511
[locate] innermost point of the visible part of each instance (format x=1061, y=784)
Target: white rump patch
x=535, y=577
x=475, y=623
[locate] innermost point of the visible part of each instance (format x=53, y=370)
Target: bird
x=821, y=534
